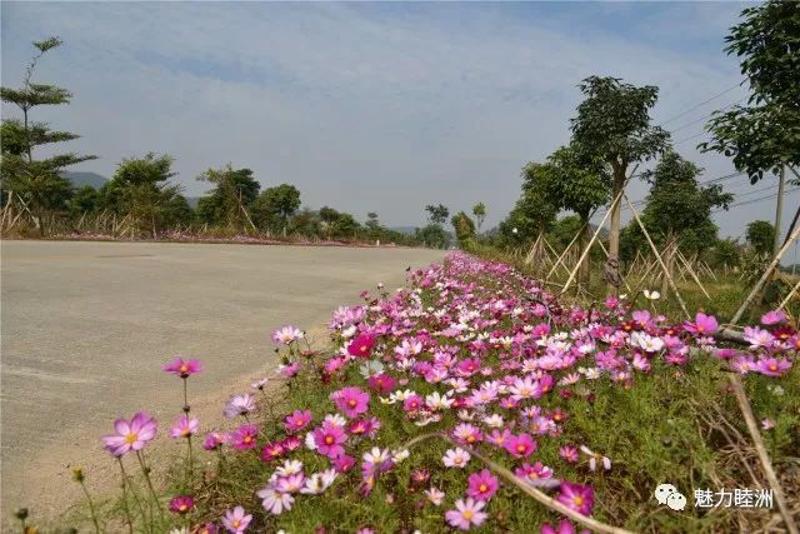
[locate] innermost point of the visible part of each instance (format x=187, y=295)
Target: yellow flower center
x=483, y=488
x=352, y=403
x=184, y=368
x=131, y=438
x=773, y=367
x=468, y=514
x=248, y=439
x=520, y=448
x=578, y=500
x=235, y=523
x=328, y=440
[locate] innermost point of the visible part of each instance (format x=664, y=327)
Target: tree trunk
x=613, y=233
x=584, y=274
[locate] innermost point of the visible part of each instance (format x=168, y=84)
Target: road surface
x=86, y=327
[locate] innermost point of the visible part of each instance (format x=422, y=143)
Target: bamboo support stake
x=533, y=250
x=591, y=242
x=692, y=273
x=558, y=258
x=566, y=251
x=789, y=296
x=658, y=257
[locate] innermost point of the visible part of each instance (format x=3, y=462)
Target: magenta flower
x=520, y=446
x=773, y=366
x=351, y=401
x=181, y=504
x=272, y=451
x=131, y=435
x=413, y=403
x=343, y=463
x=244, y=438
x=564, y=527
x=534, y=473
x=214, y=440
x=467, y=514
x=236, y=520
x=576, y=497
x=482, y=485
x=183, y=368
x=703, y=324
x=569, y=453
x=382, y=383
x=329, y=438
x=184, y=427
x=773, y=317
x=361, y=346
x=297, y=421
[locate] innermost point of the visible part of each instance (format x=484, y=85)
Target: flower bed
x=439, y=405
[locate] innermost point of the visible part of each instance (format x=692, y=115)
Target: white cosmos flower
x=436, y=401
x=457, y=457
x=435, y=495
x=376, y=456
x=319, y=482
x=275, y=502
x=400, y=455
x=289, y=468
x=494, y=421
x=310, y=443
x=651, y=295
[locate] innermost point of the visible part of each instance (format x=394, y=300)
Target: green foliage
x=234, y=191
x=464, y=228
x=678, y=207
x=725, y=253
x=479, y=211
x=85, y=200
x=36, y=181
x=760, y=236
x=275, y=205
x=437, y=214
x=764, y=134
x=534, y=211
x=564, y=230
x=432, y=235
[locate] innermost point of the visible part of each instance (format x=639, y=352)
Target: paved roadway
x=86, y=326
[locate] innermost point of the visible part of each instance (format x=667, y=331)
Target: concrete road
x=86, y=327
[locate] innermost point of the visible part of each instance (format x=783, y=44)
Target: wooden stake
x=658, y=257
x=566, y=251
x=591, y=242
x=789, y=296
x=692, y=273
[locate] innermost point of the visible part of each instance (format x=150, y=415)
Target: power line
x=701, y=104
x=753, y=201
x=704, y=117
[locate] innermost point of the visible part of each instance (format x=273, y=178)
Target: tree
x=275, y=205
x=140, y=189
x=432, y=235
x=760, y=236
x=726, y=253
x=574, y=181
x=85, y=200
x=36, y=181
x=613, y=126
x=437, y=214
x=764, y=134
x=678, y=209
x=464, y=228
x=533, y=213
x=479, y=211
x=233, y=194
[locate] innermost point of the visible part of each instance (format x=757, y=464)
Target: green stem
x=125, y=496
x=191, y=462
x=92, y=510
x=146, y=472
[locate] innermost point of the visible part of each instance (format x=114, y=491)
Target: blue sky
x=370, y=107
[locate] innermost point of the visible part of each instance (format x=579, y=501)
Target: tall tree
x=613, y=125
x=479, y=211
x=574, y=181
x=464, y=228
x=275, y=205
x=764, y=134
x=233, y=194
x=437, y=213
x=37, y=181
x=678, y=209
x=760, y=235
x=533, y=213
x=140, y=189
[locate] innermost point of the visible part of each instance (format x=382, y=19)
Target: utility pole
x=779, y=209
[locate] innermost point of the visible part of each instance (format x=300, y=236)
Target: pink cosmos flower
x=286, y=335
x=181, y=504
x=773, y=366
x=773, y=317
x=361, y=346
x=184, y=427
x=244, y=438
x=329, y=439
x=767, y=424
x=214, y=440
x=131, y=435
x=382, y=383
x=703, y=324
x=351, y=401
x=577, y=497
x=467, y=434
x=237, y=520
x=289, y=370
x=343, y=463
x=467, y=514
x=482, y=485
x=520, y=446
x=274, y=501
x=413, y=403
x=239, y=405
x=534, y=473
x=297, y=421
x=272, y=451
x=569, y=453
x=183, y=368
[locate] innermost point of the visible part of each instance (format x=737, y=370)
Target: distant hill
x=80, y=179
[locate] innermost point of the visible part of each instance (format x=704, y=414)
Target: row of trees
x=613, y=134
x=141, y=191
